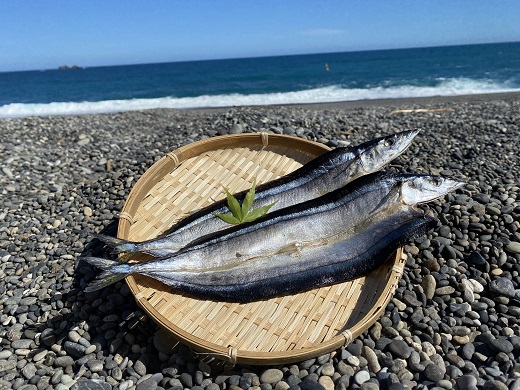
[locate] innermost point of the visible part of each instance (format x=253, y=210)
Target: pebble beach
x=453, y=322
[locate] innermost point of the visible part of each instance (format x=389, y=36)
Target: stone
x=400, y=348
x=147, y=384
x=92, y=385
x=327, y=369
x=95, y=365
x=326, y=382
x=494, y=385
x=433, y=372
x=361, y=377
x=236, y=129
x=271, y=376
x=513, y=247
x=429, y=285
x=372, y=361
x=63, y=361
x=503, y=286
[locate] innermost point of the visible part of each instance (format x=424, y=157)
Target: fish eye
x=437, y=181
x=389, y=142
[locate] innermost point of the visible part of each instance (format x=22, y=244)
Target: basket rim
x=173, y=159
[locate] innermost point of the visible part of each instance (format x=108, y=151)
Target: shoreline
x=341, y=105
x=392, y=102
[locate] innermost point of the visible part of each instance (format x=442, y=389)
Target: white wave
x=448, y=87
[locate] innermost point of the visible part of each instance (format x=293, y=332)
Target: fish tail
x=113, y=271
x=117, y=245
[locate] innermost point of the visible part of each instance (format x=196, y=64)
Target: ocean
x=312, y=78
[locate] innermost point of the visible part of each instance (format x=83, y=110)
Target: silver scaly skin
x=322, y=175
x=308, y=267
x=319, y=222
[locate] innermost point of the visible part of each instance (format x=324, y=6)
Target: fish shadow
x=103, y=315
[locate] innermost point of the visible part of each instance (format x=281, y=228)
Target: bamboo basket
x=280, y=330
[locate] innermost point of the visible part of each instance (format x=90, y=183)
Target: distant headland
x=66, y=67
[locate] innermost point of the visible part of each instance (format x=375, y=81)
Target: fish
x=316, y=222
x=325, y=173
x=287, y=273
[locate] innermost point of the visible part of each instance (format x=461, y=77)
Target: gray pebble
x=433, y=372
x=494, y=385
x=92, y=385
x=400, y=348
x=513, y=247
x=503, y=286
x=271, y=376
x=361, y=377
x=147, y=384
x=64, y=361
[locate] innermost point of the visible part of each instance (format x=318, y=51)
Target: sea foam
x=448, y=87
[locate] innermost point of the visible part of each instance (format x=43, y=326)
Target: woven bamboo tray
x=280, y=330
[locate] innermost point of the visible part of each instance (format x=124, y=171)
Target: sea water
x=312, y=78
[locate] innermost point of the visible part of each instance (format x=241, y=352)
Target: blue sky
x=37, y=34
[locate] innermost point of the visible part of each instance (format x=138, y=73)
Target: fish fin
x=113, y=271
x=117, y=245
x=293, y=249
x=105, y=279
x=100, y=263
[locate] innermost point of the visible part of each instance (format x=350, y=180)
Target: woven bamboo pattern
x=279, y=330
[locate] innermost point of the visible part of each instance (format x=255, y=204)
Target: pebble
x=503, y=286
x=271, y=376
x=147, y=384
x=461, y=279
x=63, y=361
x=92, y=385
x=400, y=348
x=361, y=377
x=433, y=372
x=326, y=382
x=513, y=247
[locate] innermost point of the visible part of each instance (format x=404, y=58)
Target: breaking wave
x=448, y=87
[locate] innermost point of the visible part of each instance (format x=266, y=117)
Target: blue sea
x=312, y=78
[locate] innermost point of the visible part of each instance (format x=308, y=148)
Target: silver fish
x=322, y=175
x=290, y=272
x=309, y=267
x=314, y=223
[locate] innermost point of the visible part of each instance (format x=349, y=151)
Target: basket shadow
x=376, y=291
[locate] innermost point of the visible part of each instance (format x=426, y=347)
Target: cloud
x=323, y=32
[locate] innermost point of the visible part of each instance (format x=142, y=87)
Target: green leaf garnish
x=228, y=218
x=259, y=212
x=241, y=213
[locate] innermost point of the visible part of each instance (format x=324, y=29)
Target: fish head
x=374, y=155
x=424, y=188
